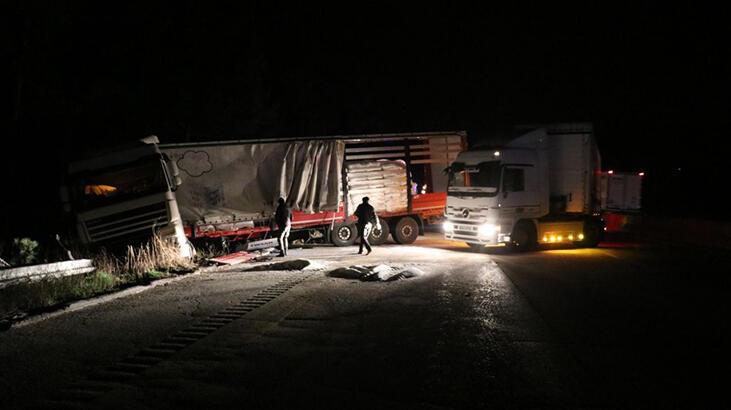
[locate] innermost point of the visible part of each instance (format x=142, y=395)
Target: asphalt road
x=622, y=326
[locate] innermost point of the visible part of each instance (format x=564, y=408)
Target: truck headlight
x=488, y=229
x=448, y=226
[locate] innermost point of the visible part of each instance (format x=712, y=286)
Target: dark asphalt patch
x=297, y=264
x=124, y=371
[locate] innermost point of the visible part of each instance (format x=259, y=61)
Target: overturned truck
x=229, y=189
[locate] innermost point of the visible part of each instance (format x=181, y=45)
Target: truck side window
x=513, y=180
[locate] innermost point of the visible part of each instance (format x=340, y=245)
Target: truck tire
x=343, y=234
x=592, y=234
x=379, y=237
x=523, y=237
x=405, y=231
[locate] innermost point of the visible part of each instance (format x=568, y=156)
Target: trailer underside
x=426, y=208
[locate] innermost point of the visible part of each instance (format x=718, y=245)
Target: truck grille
x=128, y=223
x=475, y=216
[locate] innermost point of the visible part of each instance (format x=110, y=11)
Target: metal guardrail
x=12, y=276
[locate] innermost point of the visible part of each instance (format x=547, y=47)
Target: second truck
x=539, y=188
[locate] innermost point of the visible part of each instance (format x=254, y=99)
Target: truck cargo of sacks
x=384, y=182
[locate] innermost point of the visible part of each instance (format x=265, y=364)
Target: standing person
x=283, y=218
x=366, y=219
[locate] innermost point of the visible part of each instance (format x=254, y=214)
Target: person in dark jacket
x=283, y=218
x=367, y=218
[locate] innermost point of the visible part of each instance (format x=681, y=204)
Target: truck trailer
x=229, y=189
x=621, y=199
x=539, y=188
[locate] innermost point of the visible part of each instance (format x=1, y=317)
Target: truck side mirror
x=175, y=174
x=505, y=194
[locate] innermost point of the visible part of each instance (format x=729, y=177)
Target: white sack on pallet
x=384, y=182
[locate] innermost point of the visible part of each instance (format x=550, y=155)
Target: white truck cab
x=538, y=188
x=126, y=194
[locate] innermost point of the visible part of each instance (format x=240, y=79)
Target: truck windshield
x=118, y=184
x=483, y=175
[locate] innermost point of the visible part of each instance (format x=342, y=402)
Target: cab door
x=519, y=196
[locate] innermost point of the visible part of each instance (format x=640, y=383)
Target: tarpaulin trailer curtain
x=242, y=182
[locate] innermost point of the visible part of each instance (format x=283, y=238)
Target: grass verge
x=140, y=265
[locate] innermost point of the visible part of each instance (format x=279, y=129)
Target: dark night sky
x=89, y=74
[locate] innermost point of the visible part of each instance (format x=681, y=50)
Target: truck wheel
x=343, y=234
x=592, y=234
x=406, y=230
x=523, y=236
x=379, y=236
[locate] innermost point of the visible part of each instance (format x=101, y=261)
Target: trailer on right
x=621, y=200
x=541, y=188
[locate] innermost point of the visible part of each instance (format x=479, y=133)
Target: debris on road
x=233, y=258
x=382, y=273
x=262, y=244
x=243, y=256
